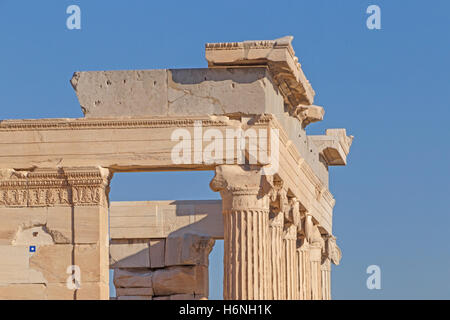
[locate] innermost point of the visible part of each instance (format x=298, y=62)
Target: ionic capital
x=242, y=187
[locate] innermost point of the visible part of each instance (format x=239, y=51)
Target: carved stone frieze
x=54, y=187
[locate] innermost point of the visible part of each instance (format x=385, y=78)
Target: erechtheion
x=245, y=117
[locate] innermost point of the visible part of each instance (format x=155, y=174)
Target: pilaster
x=56, y=228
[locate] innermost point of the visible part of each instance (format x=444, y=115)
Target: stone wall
x=54, y=223
x=174, y=268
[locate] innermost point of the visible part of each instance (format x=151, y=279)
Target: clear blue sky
x=390, y=88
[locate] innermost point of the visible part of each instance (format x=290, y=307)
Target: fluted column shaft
x=291, y=264
x=304, y=271
x=326, y=279
x=316, y=274
x=245, y=256
x=276, y=248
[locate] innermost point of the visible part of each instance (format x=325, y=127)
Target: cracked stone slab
x=121, y=93
x=175, y=92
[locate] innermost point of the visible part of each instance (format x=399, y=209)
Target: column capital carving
x=285, y=210
x=332, y=252
x=290, y=233
x=278, y=204
x=326, y=265
x=307, y=114
x=242, y=187
x=294, y=214
x=309, y=225
x=54, y=187
x=314, y=238
x=302, y=244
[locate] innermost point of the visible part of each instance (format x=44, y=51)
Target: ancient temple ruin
x=245, y=117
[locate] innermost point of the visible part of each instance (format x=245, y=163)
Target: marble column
x=316, y=273
x=276, y=248
x=304, y=269
x=326, y=279
x=317, y=247
x=291, y=266
x=245, y=205
x=332, y=255
x=278, y=206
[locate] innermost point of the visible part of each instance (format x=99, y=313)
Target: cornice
x=107, y=123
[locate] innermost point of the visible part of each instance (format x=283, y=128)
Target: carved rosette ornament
x=86, y=186
x=245, y=203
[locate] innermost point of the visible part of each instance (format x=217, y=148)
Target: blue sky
x=390, y=88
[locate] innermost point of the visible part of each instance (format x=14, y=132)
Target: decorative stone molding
x=332, y=252
x=242, y=187
x=308, y=114
x=54, y=187
x=86, y=124
x=309, y=228
x=334, y=146
x=277, y=54
x=294, y=214
x=344, y=140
